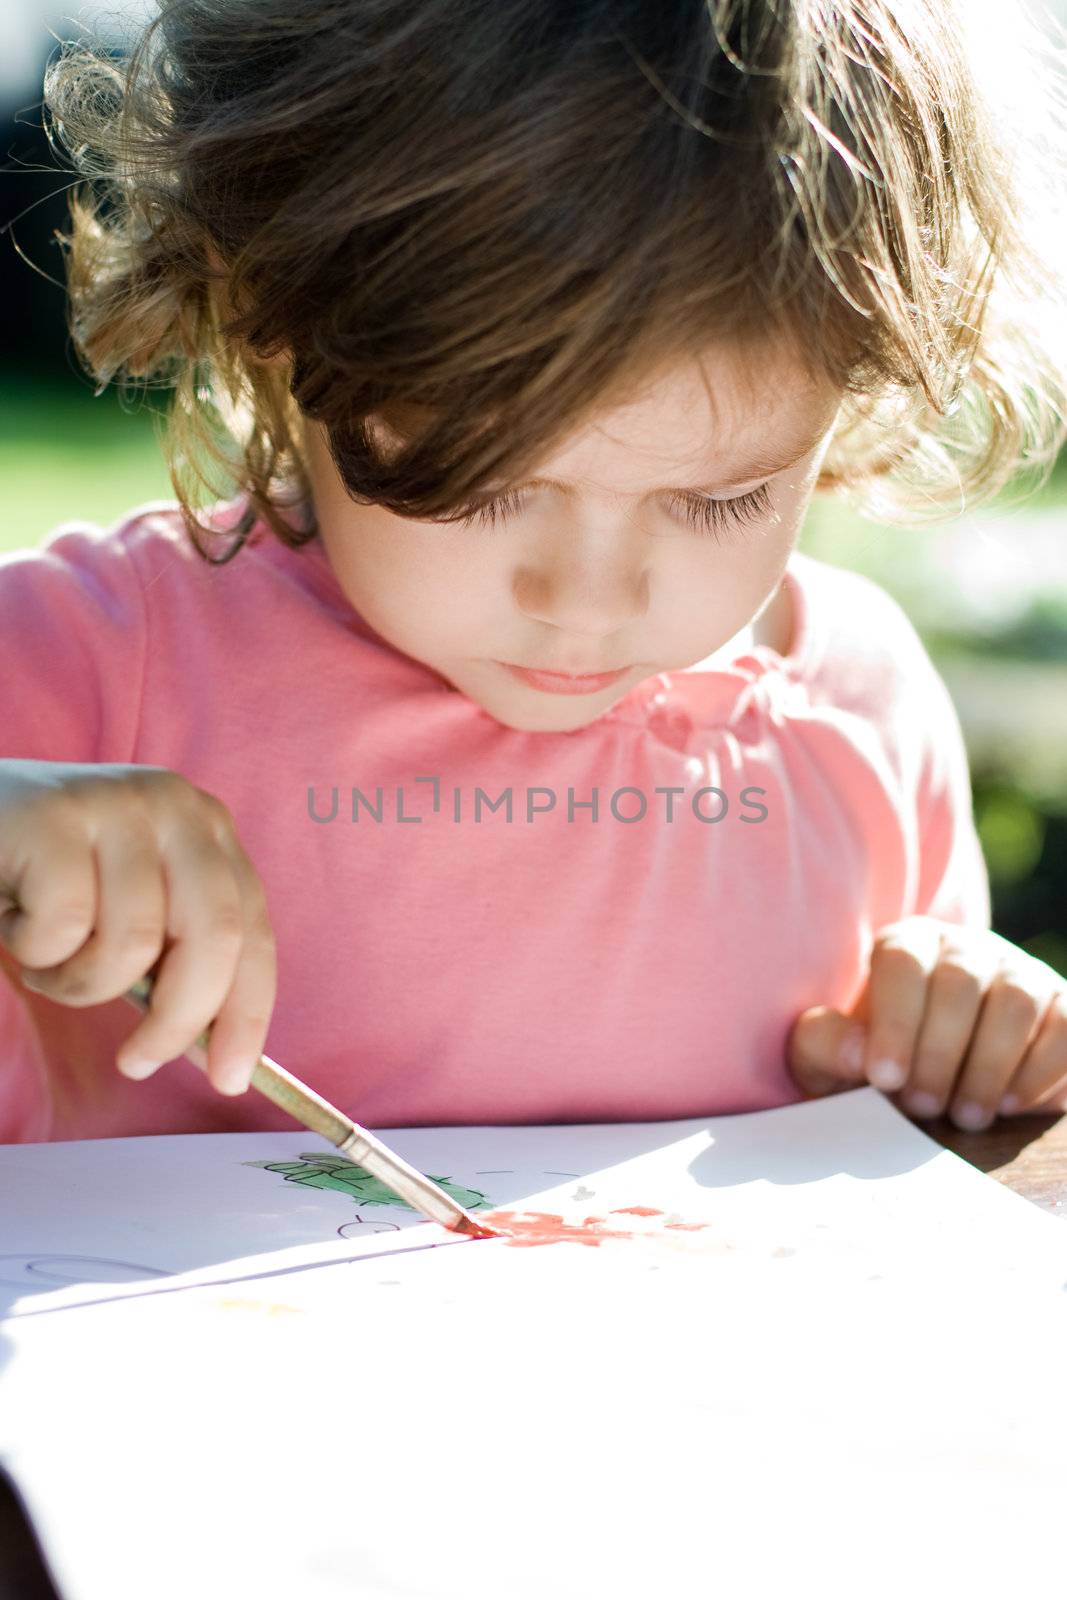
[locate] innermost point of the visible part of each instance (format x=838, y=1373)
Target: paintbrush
x=356, y=1144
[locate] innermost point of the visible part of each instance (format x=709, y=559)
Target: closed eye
x=709, y=516
x=713, y=516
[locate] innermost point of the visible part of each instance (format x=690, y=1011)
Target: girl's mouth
x=564, y=682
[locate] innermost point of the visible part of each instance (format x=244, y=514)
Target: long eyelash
x=504, y=505
x=711, y=516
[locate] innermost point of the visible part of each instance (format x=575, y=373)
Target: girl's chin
x=554, y=714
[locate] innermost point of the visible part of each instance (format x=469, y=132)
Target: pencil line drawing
x=334, y=1172
x=41, y=1271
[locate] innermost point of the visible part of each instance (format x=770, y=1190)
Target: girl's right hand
x=107, y=871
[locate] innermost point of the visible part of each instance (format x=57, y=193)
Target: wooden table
x=1028, y=1154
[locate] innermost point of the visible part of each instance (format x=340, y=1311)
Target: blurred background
x=987, y=591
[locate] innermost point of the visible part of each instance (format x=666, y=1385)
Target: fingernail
x=851, y=1050
x=138, y=1068
x=923, y=1103
x=1010, y=1103
x=971, y=1116
x=233, y=1077
x=28, y=983
x=887, y=1073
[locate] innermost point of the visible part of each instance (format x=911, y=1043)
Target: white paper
x=848, y=1381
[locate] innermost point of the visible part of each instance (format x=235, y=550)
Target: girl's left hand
x=954, y=1018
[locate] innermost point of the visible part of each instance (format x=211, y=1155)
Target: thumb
x=825, y=1050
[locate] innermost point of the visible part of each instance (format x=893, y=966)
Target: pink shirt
x=443, y=959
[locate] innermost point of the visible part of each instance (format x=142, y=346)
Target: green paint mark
x=333, y=1172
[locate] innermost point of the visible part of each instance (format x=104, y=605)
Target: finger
x=49, y=884
x=130, y=916
x=1043, y=1069
x=239, y=1032
x=954, y=994
x=1054, y=1099
x=1008, y=1022
x=205, y=927
x=902, y=958
x=824, y=1051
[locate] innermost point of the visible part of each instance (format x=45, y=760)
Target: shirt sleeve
x=72, y=622
x=72, y=640
x=948, y=878
x=874, y=664
x=953, y=883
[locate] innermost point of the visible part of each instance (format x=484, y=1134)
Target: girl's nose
x=582, y=597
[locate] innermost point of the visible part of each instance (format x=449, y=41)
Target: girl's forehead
x=727, y=384
x=725, y=390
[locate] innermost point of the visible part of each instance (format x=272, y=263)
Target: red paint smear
x=546, y=1227
x=472, y=1228
x=525, y=1228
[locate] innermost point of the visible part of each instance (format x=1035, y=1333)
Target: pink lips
x=565, y=682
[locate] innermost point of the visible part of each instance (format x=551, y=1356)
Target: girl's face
x=605, y=559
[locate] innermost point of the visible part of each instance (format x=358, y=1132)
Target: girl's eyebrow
x=760, y=466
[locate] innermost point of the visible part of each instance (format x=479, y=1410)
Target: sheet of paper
x=99, y=1219
x=823, y=1353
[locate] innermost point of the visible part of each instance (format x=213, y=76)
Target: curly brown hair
x=478, y=221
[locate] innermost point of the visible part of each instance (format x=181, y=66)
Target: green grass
x=65, y=453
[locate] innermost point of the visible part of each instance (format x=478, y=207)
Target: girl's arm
x=953, y=883
x=72, y=622
x=109, y=864
x=951, y=1015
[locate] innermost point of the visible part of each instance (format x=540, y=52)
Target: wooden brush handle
x=270, y=1079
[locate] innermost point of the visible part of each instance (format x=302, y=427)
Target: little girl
x=491, y=755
